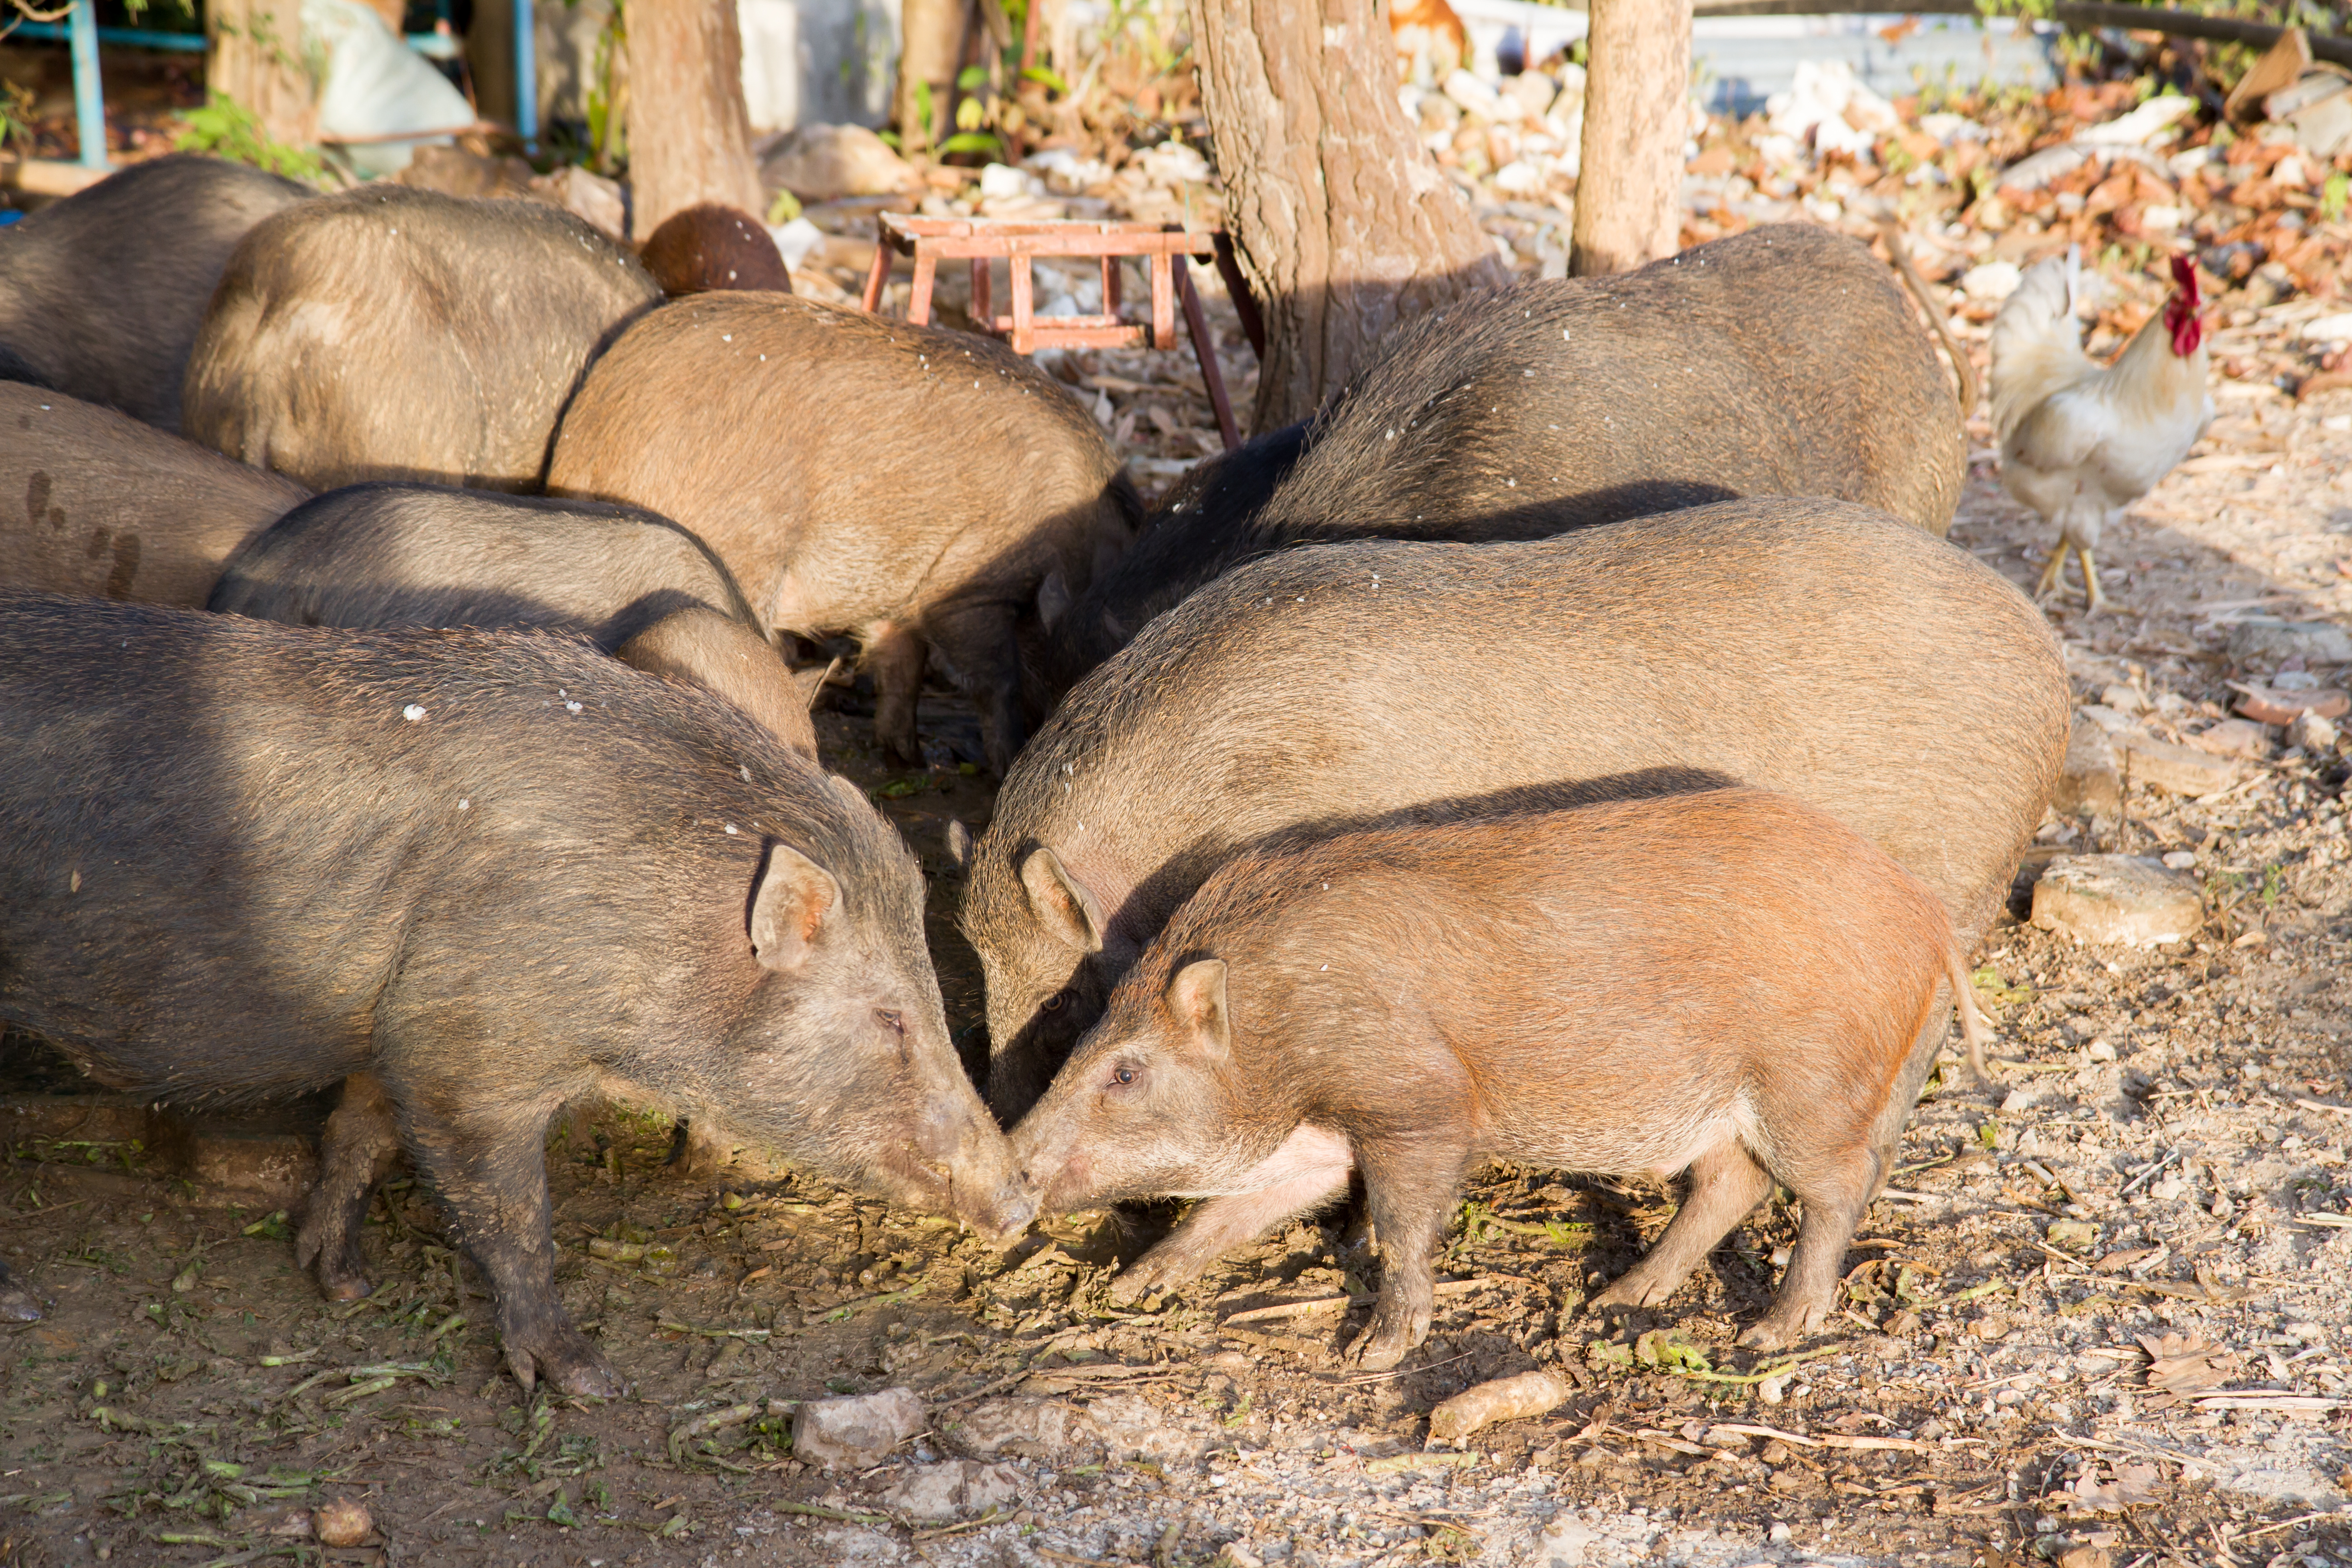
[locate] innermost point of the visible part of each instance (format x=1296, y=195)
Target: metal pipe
x=526, y=51
x=89, y=96
x=132, y=38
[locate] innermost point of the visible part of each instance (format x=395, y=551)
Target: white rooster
x=2079, y=442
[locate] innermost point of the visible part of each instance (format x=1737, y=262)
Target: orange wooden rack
x=928, y=241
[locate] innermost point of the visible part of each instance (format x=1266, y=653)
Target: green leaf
x=784, y=209
x=1668, y=1351
x=971, y=78
x=972, y=141
x=1050, y=79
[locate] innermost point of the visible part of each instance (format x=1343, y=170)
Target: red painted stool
x=928, y=241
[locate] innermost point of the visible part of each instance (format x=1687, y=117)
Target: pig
x=1812, y=646
x=474, y=875
x=713, y=246
x=390, y=333
x=117, y=509
x=1727, y=982
x=1783, y=361
x=637, y=585
x=101, y=293
x=923, y=489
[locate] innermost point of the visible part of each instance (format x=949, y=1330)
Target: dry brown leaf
x=2132, y=1486
x=2180, y=1364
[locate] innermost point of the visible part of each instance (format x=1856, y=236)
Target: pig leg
x=1308, y=1170
x=488, y=1163
x=360, y=1146
x=1835, y=1190
x=1410, y=1191
x=977, y=643
x=1726, y=1186
x=894, y=655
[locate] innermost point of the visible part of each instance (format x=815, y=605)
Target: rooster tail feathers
x=2037, y=344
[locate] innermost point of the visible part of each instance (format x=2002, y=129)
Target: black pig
x=635, y=585
x=1784, y=361
x=101, y=293
x=477, y=875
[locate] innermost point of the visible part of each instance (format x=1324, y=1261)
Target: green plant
x=226, y=129
x=2334, y=195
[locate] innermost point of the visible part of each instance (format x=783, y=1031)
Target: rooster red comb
x=2181, y=311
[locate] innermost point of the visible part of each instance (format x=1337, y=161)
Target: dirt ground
x=2101, y=1316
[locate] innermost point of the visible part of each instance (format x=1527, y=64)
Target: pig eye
x=1054, y=1004
x=891, y=1019
x=1124, y=1075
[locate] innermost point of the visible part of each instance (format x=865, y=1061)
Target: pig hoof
x=1771, y=1334
x=1377, y=1352
x=571, y=1364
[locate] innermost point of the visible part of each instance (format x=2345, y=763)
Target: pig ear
x=1069, y=909
x=795, y=899
x=1053, y=598
x=1197, y=997
x=958, y=844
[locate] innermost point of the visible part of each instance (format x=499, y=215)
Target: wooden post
x=1344, y=223
x=1636, y=117
x=255, y=56
x=689, y=133
x=490, y=60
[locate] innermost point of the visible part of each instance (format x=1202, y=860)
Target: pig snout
x=959, y=1139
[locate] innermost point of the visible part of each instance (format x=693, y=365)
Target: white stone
x=1992, y=281
x=1564, y=1542
x=858, y=1430
x=953, y=1488
x=2116, y=899
x=2313, y=733
x=1479, y=98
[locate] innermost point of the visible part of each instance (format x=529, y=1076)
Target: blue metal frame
x=90, y=98
x=82, y=33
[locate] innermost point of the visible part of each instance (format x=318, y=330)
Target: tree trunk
x=255, y=58
x=930, y=50
x=490, y=60
x=1344, y=223
x=1629, y=183
x=689, y=134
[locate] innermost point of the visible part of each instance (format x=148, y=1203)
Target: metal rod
x=131, y=38
x=2081, y=15
x=89, y=96
x=526, y=52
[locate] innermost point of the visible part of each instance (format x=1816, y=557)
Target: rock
x=591, y=198
x=1564, y=1541
x=2271, y=641
x=1534, y=90
x=18, y=1304
x=454, y=172
x=2175, y=770
x=2090, y=782
x=2121, y=900
x=827, y=162
x=1052, y=1430
x=2071, y=1235
x=343, y=1522
x=1476, y=96
x=2179, y=859
x=2234, y=738
x=858, y=1430
x=1504, y=1399
x=953, y=1488
x=2271, y=705
x=1990, y=283
x=1120, y=1425
x=2313, y=732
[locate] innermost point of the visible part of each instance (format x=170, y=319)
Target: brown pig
x=1727, y=982
x=92, y=503
x=390, y=333
x=928, y=491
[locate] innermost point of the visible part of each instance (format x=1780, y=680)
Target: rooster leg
x=2053, y=569
x=2098, y=601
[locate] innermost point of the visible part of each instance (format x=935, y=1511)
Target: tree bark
x=689, y=134
x=1636, y=117
x=490, y=60
x=930, y=45
x=255, y=58
x=1344, y=223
